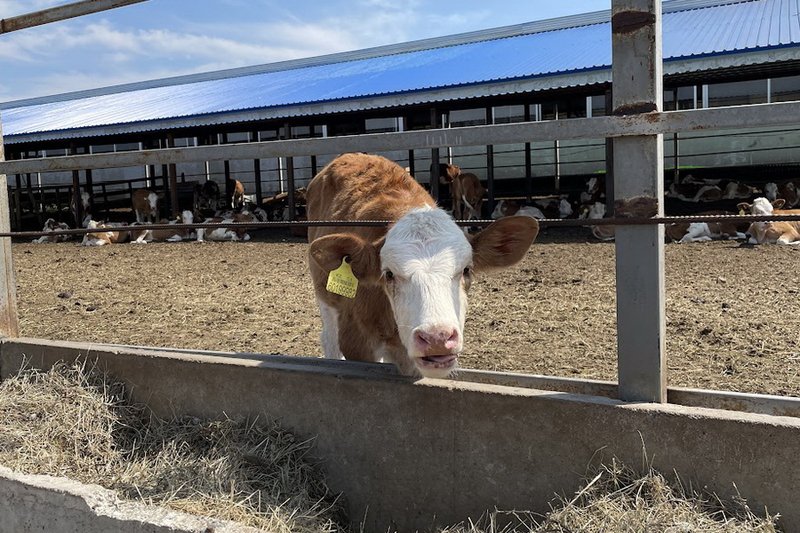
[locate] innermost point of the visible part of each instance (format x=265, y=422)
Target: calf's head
x=425, y=265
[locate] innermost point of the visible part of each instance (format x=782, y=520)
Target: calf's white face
x=426, y=265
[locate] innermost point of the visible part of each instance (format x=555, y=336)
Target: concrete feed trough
x=419, y=444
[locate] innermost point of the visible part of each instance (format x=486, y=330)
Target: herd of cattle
x=467, y=195
x=145, y=205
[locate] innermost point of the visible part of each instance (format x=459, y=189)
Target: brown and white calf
x=684, y=232
x=465, y=189
x=102, y=238
x=237, y=194
x=227, y=234
x=787, y=191
x=145, y=205
x=144, y=235
x=468, y=196
x=771, y=232
x=410, y=304
x=50, y=225
x=508, y=208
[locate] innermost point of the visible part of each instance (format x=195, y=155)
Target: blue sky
x=161, y=38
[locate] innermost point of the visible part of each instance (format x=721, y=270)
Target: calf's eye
x=389, y=275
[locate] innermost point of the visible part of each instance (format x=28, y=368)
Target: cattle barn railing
x=636, y=126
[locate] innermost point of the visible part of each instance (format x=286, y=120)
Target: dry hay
x=619, y=499
x=76, y=423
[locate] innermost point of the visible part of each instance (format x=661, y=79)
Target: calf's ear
x=743, y=207
x=328, y=251
x=779, y=203
x=504, y=242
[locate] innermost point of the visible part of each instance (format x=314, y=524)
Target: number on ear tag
x=342, y=281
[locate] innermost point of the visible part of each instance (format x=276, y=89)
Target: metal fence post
x=638, y=171
x=9, y=322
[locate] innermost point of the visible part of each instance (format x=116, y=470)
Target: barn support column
x=609, y=158
x=173, y=180
x=257, y=178
x=489, y=168
x=638, y=172
x=18, y=202
x=434, y=179
x=77, y=204
x=9, y=322
x=528, y=162
x=290, y=188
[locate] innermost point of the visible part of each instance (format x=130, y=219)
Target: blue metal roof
x=687, y=33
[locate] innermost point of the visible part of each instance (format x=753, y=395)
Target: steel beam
x=784, y=113
x=55, y=14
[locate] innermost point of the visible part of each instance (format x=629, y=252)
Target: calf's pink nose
x=436, y=340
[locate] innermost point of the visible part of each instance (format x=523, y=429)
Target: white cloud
x=89, y=53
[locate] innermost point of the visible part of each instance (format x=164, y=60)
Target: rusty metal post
x=9, y=322
x=638, y=172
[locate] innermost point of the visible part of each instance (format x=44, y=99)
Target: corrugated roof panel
x=743, y=26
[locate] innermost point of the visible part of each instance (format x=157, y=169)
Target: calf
x=103, y=238
x=208, y=196
x=445, y=173
x=774, y=232
x=507, y=208
x=468, y=196
x=50, y=225
x=227, y=234
x=410, y=302
x=553, y=208
x=165, y=235
x=787, y=191
x=684, y=232
x=693, y=192
x=595, y=191
x=145, y=206
x=771, y=232
x=237, y=194
x=86, y=209
x=736, y=190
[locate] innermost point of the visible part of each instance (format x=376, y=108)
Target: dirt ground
x=732, y=310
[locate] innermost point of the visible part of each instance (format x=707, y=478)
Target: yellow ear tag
x=342, y=281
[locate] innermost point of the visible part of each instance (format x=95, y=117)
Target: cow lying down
x=410, y=301
x=778, y=232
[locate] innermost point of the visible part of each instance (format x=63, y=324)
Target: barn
x=546, y=70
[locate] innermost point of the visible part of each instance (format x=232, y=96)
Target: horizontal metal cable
x=547, y=222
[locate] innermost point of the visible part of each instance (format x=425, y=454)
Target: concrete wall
x=430, y=452
x=43, y=503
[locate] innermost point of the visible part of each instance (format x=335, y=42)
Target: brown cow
x=468, y=196
x=145, y=205
x=409, y=304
